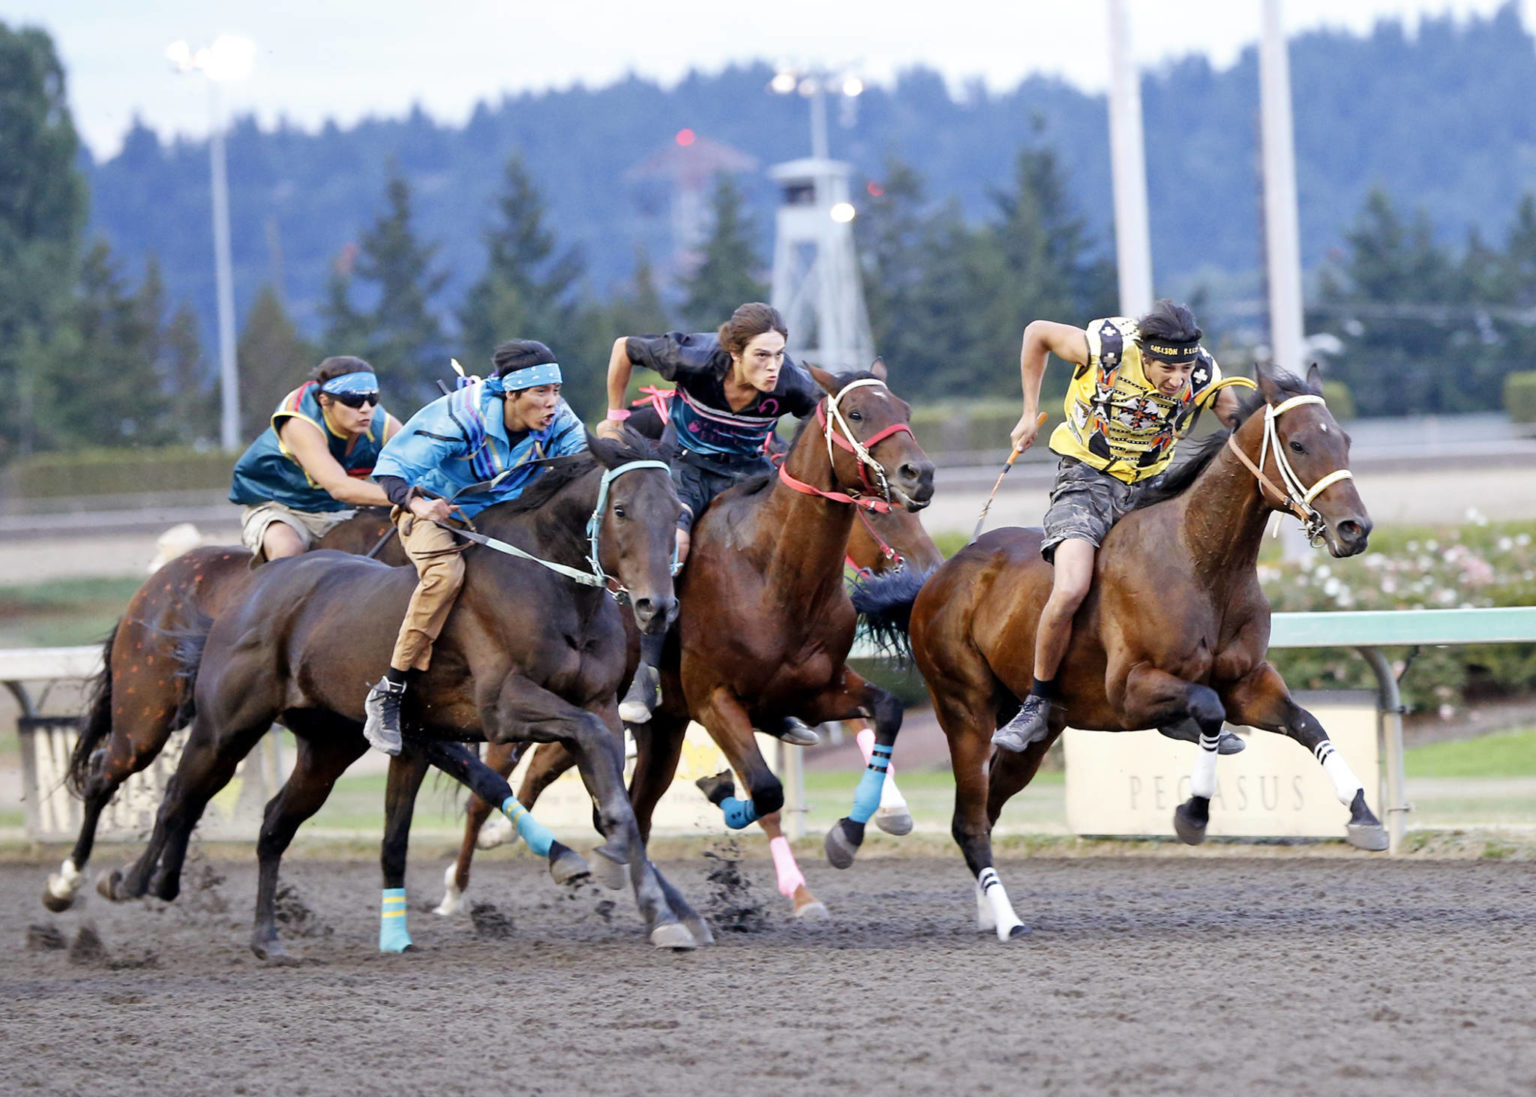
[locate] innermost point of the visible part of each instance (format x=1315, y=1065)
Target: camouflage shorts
x=1085, y=503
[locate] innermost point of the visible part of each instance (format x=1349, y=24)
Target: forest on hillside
x=408, y=240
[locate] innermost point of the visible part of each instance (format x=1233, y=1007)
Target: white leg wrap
x=497, y=830
x=453, y=898
x=64, y=883
x=1345, y=783
x=890, y=795
x=994, y=899
x=1202, y=781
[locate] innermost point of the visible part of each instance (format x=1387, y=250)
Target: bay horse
x=881, y=542
x=526, y=653
x=1174, y=626
x=139, y=698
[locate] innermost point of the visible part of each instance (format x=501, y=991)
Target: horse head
x=870, y=446
x=634, y=527
x=1304, y=463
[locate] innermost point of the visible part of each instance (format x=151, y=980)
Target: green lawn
x=1507, y=754
x=62, y=612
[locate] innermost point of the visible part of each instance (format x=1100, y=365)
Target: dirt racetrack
x=1280, y=973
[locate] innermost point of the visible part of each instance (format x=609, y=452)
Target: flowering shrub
x=1476, y=564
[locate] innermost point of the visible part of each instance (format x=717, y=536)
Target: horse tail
x=97, y=724
x=190, y=639
x=884, y=604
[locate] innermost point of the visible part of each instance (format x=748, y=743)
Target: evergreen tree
x=274, y=361
x=894, y=239
x=727, y=272
x=195, y=405
x=529, y=286
x=401, y=336
x=42, y=214
x=637, y=309
x=114, y=392
x=1398, y=301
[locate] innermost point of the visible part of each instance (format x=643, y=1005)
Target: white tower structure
x=816, y=281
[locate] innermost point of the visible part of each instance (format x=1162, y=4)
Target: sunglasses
x=356, y=399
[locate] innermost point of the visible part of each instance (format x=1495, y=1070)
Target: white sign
x=1128, y=783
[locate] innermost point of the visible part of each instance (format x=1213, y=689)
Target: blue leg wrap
x=393, y=936
x=866, y=798
x=538, y=836
x=738, y=812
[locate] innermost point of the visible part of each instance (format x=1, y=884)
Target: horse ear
x=608, y=453
x=877, y=367
x=824, y=379
x=1315, y=379
x=1267, y=387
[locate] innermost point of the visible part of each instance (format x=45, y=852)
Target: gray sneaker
x=791, y=730
x=1188, y=731
x=643, y=696
x=382, y=708
x=1029, y=726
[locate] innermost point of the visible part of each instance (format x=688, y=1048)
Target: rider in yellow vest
x=1136, y=387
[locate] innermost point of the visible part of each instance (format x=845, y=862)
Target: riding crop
x=1008, y=464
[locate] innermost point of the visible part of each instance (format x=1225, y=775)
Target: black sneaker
x=1029, y=726
x=718, y=788
x=382, y=707
x=643, y=696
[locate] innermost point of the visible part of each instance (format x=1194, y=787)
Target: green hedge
x=1520, y=396
x=119, y=472
x=970, y=427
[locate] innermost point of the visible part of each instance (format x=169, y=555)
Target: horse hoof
x=673, y=935
x=566, y=865
x=57, y=903
x=110, y=886
x=814, y=911
x=1367, y=836
x=1191, y=831
x=608, y=870
x=1230, y=743
x=843, y=842
x=271, y=950
x=897, y=821
x=1013, y=932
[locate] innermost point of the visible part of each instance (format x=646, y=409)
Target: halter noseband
x=1295, y=498
x=830, y=417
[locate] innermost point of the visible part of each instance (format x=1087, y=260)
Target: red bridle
x=859, y=450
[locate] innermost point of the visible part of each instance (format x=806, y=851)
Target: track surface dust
x=1144, y=975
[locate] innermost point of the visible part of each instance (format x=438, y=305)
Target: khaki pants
x=440, y=574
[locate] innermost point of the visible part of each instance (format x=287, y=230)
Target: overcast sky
x=346, y=59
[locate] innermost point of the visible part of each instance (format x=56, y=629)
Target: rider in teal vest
x=309, y=470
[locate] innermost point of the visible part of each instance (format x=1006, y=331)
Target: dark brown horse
x=881, y=542
x=1174, y=627
x=140, y=698
x=526, y=653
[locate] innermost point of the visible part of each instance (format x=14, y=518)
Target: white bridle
x=1296, y=498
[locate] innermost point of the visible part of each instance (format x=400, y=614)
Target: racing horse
x=535, y=648
x=880, y=542
x=139, y=698
x=764, y=623
x=1175, y=625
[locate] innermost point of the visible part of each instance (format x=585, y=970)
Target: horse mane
x=1203, y=452
x=561, y=471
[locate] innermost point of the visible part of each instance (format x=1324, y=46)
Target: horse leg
x=730, y=726
x=658, y=747
x=791, y=880
x=406, y=771
x=565, y=864
x=320, y=761
x=1261, y=700
x=1153, y=697
x=893, y=816
x=856, y=697
x=537, y=713
x=478, y=831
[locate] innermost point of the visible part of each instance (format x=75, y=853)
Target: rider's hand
x=611, y=429
x=432, y=510
x=1024, y=431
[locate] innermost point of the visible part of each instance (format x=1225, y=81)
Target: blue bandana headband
x=360, y=382
x=547, y=373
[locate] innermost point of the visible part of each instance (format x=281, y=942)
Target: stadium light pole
x=815, y=84
x=228, y=58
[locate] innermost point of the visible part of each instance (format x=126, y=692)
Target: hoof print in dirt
x=491, y=922
x=45, y=939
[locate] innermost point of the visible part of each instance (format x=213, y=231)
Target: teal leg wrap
x=393, y=936
x=536, y=834
x=866, y=798
x=738, y=812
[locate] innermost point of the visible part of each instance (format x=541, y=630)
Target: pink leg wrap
x=790, y=876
